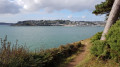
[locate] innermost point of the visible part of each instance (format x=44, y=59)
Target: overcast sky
x=16, y=10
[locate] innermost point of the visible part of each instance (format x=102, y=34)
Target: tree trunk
x=112, y=18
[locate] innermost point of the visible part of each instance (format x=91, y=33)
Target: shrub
x=96, y=37
x=113, y=39
x=100, y=49
x=109, y=48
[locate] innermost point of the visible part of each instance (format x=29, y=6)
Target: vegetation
x=97, y=36
x=113, y=39
x=19, y=56
x=113, y=17
x=110, y=48
x=104, y=7
x=91, y=60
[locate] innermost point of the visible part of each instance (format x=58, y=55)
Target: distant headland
x=58, y=23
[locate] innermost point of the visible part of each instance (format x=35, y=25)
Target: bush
x=96, y=37
x=113, y=39
x=100, y=49
x=109, y=48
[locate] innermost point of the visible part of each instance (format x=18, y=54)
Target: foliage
x=109, y=48
x=12, y=56
x=97, y=36
x=19, y=56
x=113, y=39
x=98, y=48
x=104, y=7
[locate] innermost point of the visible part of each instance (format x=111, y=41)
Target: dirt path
x=79, y=57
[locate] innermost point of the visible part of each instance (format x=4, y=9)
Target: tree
x=104, y=7
x=113, y=16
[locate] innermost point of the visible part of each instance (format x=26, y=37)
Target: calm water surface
x=37, y=37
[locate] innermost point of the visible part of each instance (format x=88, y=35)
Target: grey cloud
x=15, y=6
x=52, y=5
x=8, y=7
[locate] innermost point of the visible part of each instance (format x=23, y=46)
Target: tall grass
x=11, y=55
x=19, y=56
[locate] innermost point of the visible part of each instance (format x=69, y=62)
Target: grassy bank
x=19, y=56
x=92, y=61
x=104, y=53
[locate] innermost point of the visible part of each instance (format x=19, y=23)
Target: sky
x=12, y=11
